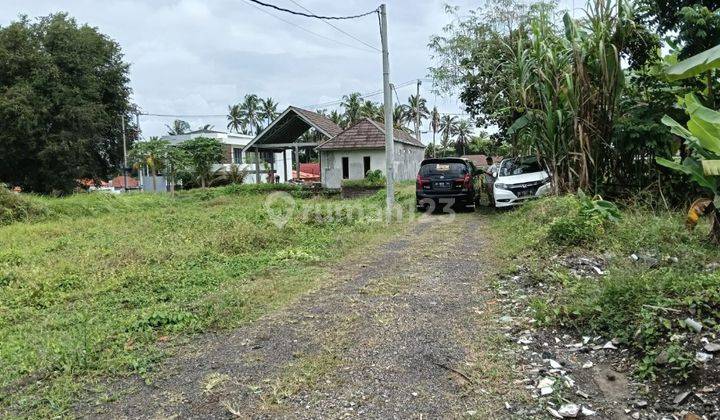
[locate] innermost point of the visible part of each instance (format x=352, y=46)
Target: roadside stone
x=587, y=412
x=712, y=347
x=662, y=358
x=694, y=325
x=554, y=413
x=703, y=357
x=569, y=410
x=681, y=397
x=609, y=346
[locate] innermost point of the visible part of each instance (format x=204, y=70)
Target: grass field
x=644, y=303
x=95, y=285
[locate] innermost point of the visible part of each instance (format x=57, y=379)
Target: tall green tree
x=235, y=119
x=251, y=112
x=151, y=154
x=351, y=105
x=178, y=127
x=202, y=154
x=434, y=126
x=63, y=89
x=463, y=132
x=269, y=110
x=448, y=129
x=417, y=106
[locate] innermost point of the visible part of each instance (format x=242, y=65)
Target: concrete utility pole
x=417, y=112
x=387, y=91
x=125, y=177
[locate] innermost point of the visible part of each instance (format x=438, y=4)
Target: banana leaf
x=697, y=64
x=690, y=167
x=519, y=124
x=711, y=167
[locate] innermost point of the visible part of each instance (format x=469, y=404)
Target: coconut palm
x=251, y=113
x=448, y=128
x=417, y=106
x=151, y=154
x=369, y=109
x=235, y=119
x=338, y=118
x=352, y=104
x=434, y=125
x=269, y=110
x=178, y=127
x=463, y=132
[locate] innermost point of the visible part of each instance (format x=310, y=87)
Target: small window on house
x=237, y=156
x=366, y=164
x=346, y=168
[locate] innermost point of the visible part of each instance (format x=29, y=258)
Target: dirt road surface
x=404, y=329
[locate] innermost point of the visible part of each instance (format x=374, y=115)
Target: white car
x=519, y=179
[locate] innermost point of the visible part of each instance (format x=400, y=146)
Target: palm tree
x=178, y=127
x=400, y=116
x=417, y=106
x=235, y=120
x=352, y=103
x=250, y=112
x=463, y=131
x=434, y=125
x=369, y=109
x=269, y=110
x=151, y=154
x=338, y=119
x=206, y=127
x=448, y=127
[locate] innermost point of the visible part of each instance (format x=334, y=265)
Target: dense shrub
x=18, y=207
x=576, y=230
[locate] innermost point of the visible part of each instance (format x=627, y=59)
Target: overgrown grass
x=643, y=303
x=93, y=286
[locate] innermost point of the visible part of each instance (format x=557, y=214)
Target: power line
x=363, y=96
x=307, y=30
x=340, y=30
x=312, y=15
x=184, y=115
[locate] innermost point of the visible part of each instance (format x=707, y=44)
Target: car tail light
x=465, y=181
x=420, y=182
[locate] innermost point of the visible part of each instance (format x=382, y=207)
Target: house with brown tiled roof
x=361, y=148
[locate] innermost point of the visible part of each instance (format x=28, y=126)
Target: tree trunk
x=154, y=175
x=715, y=229
x=172, y=186
x=434, y=147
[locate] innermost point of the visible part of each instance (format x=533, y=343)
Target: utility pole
x=387, y=91
x=125, y=163
x=417, y=112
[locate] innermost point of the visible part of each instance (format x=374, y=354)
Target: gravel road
x=405, y=329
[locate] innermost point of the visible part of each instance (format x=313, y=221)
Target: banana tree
x=701, y=136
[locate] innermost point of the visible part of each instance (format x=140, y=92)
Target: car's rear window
x=444, y=168
x=520, y=166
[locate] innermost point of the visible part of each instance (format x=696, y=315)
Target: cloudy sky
x=198, y=56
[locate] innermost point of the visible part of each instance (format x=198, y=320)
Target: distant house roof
x=367, y=134
x=310, y=168
x=290, y=125
x=205, y=131
x=481, y=160
x=119, y=182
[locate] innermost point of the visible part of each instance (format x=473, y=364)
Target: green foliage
x=584, y=225
x=63, y=88
x=373, y=179
x=643, y=306
x=702, y=136
x=202, y=154
x=18, y=207
x=576, y=230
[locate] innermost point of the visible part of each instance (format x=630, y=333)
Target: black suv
x=445, y=182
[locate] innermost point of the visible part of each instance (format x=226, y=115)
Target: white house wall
x=407, y=163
